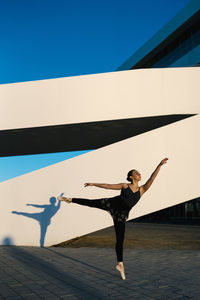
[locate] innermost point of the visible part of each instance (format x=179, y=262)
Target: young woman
x=119, y=206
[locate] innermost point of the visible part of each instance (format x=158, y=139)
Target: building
x=120, y=115
x=177, y=44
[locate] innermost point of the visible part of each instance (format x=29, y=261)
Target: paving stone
x=13, y=298
x=6, y=292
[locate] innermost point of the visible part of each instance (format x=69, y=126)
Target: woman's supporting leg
x=97, y=203
x=120, y=231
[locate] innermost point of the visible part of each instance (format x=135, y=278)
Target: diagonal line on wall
x=79, y=136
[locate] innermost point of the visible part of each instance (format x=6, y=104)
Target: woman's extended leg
x=97, y=203
x=120, y=231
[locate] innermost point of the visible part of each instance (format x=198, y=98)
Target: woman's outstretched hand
x=163, y=161
x=88, y=184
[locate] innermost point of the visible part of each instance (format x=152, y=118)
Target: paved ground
x=88, y=273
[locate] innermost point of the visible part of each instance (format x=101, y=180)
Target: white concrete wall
x=102, y=97
x=118, y=95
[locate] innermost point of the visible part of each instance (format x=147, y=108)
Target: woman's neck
x=134, y=184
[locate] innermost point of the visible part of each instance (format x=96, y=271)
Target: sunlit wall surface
x=129, y=119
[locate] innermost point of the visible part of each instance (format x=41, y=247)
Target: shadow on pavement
x=40, y=267
x=71, y=278
x=84, y=264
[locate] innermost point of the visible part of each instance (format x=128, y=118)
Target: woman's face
x=136, y=175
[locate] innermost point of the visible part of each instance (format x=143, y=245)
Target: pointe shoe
x=120, y=269
x=65, y=199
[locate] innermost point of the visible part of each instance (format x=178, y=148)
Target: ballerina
x=119, y=206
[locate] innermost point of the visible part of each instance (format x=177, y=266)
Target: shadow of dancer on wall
x=44, y=217
x=7, y=241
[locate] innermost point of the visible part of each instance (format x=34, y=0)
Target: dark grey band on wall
x=79, y=136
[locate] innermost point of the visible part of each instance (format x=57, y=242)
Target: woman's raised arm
x=149, y=182
x=118, y=186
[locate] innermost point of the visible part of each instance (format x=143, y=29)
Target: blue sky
x=42, y=39
x=13, y=166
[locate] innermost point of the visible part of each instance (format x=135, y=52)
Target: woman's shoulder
x=124, y=185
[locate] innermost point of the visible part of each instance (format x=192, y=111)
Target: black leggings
x=118, y=225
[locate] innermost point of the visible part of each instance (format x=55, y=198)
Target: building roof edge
x=180, y=18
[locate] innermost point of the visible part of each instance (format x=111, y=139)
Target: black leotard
x=129, y=197
x=120, y=206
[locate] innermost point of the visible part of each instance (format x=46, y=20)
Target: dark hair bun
x=128, y=176
x=129, y=179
